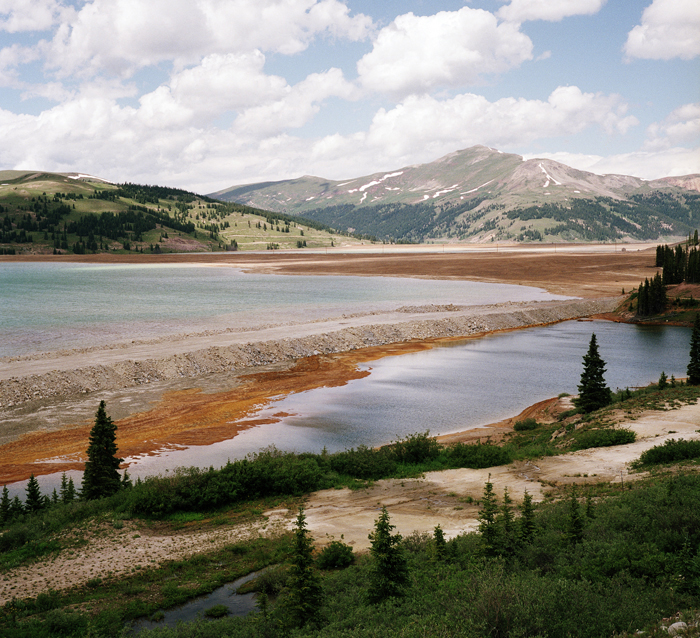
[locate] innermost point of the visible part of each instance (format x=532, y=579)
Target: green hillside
x=50, y=213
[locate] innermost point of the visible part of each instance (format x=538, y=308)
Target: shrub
x=477, y=456
x=527, y=424
x=604, y=438
x=415, y=448
x=671, y=451
x=217, y=611
x=337, y=555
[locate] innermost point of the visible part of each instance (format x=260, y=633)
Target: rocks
x=427, y=323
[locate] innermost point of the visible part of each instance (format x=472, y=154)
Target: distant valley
x=482, y=195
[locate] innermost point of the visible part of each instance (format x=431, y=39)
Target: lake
x=446, y=389
x=53, y=306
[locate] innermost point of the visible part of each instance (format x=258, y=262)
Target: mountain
x=481, y=194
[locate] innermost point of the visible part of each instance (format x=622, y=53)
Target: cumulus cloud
x=681, y=127
x=298, y=106
x=551, y=10
x=415, y=54
x=669, y=29
x=471, y=119
x=29, y=15
x=125, y=35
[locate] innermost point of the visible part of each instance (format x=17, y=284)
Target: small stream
x=238, y=605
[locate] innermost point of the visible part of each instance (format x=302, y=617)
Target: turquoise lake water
x=45, y=307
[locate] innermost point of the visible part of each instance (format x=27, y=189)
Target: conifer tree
x=16, y=507
x=487, y=520
x=389, y=571
x=33, y=501
x=593, y=393
x=440, y=544
x=527, y=519
x=101, y=477
x=305, y=594
x=694, y=365
x=507, y=525
x=5, y=505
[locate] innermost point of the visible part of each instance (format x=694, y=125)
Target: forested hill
x=53, y=213
x=480, y=194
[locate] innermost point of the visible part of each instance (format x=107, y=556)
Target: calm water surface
x=450, y=388
x=46, y=307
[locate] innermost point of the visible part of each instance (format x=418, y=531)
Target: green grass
x=637, y=563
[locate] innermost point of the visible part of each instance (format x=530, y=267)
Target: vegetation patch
x=603, y=438
x=672, y=451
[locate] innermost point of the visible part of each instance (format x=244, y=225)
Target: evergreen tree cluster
x=651, y=298
x=681, y=264
x=500, y=532
x=35, y=501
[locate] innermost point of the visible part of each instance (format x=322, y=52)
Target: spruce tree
x=487, y=520
x=593, y=393
x=33, y=501
x=507, y=525
x=305, y=594
x=389, y=570
x=440, y=544
x=101, y=477
x=527, y=519
x=694, y=365
x=5, y=505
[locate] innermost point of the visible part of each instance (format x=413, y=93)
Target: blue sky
x=210, y=94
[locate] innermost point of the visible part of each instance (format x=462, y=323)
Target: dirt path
x=414, y=505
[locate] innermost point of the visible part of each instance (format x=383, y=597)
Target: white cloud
x=10, y=58
x=669, y=29
x=300, y=103
x=682, y=126
x=647, y=165
x=551, y=10
x=415, y=54
x=122, y=36
x=227, y=82
x=471, y=119
x=29, y=15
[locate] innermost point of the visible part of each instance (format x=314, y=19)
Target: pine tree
x=16, y=507
x=33, y=501
x=507, y=525
x=487, y=520
x=389, y=570
x=101, y=477
x=440, y=544
x=663, y=381
x=527, y=519
x=305, y=594
x=694, y=365
x=593, y=393
x=5, y=505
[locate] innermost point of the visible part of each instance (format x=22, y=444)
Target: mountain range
x=481, y=194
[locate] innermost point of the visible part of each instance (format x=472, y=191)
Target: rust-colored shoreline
x=191, y=417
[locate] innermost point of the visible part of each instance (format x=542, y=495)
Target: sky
x=207, y=94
